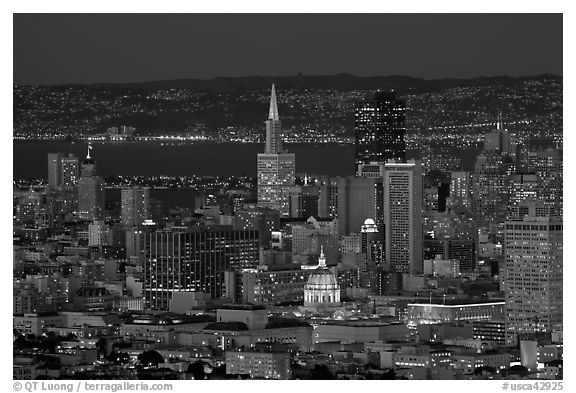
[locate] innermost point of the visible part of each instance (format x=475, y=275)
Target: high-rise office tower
x=135, y=206
x=490, y=188
x=403, y=216
x=273, y=127
x=54, y=169
x=455, y=237
x=460, y=184
x=88, y=167
x=262, y=219
x=371, y=170
x=328, y=197
x=430, y=202
x=70, y=171
x=500, y=140
x=492, y=171
x=380, y=125
x=547, y=165
x=91, y=198
x=194, y=260
x=90, y=191
x=523, y=187
x=134, y=239
x=303, y=201
x=276, y=168
x=533, y=275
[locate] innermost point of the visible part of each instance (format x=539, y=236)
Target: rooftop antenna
x=499, y=121
x=322, y=259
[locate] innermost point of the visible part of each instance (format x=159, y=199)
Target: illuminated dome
x=369, y=226
x=321, y=279
x=369, y=221
x=322, y=287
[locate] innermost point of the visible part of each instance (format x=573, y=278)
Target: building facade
x=135, y=206
x=90, y=191
x=259, y=364
x=70, y=171
x=380, y=126
x=533, y=276
x=403, y=216
x=194, y=260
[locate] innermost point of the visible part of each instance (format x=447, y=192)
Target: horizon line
x=298, y=75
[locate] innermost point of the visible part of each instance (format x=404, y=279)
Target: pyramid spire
x=89, y=148
x=273, y=113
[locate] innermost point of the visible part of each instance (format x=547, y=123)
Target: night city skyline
x=345, y=197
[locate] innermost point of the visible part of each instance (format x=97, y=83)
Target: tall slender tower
x=90, y=191
x=276, y=168
x=403, y=216
x=54, y=169
x=273, y=127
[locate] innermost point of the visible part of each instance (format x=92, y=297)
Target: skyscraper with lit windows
x=70, y=171
x=403, y=216
x=276, y=168
x=460, y=189
x=90, y=191
x=380, y=126
x=135, y=206
x=492, y=172
x=533, y=275
x=547, y=165
x=54, y=169
x=194, y=260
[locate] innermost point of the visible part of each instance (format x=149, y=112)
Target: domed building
x=322, y=289
x=369, y=226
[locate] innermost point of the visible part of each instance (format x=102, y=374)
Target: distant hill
x=342, y=82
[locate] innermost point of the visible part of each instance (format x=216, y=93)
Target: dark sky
x=89, y=48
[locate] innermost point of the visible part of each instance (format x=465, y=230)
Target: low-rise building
x=24, y=371
x=453, y=311
x=267, y=365
x=422, y=356
x=470, y=362
x=360, y=331
x=37, y=323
